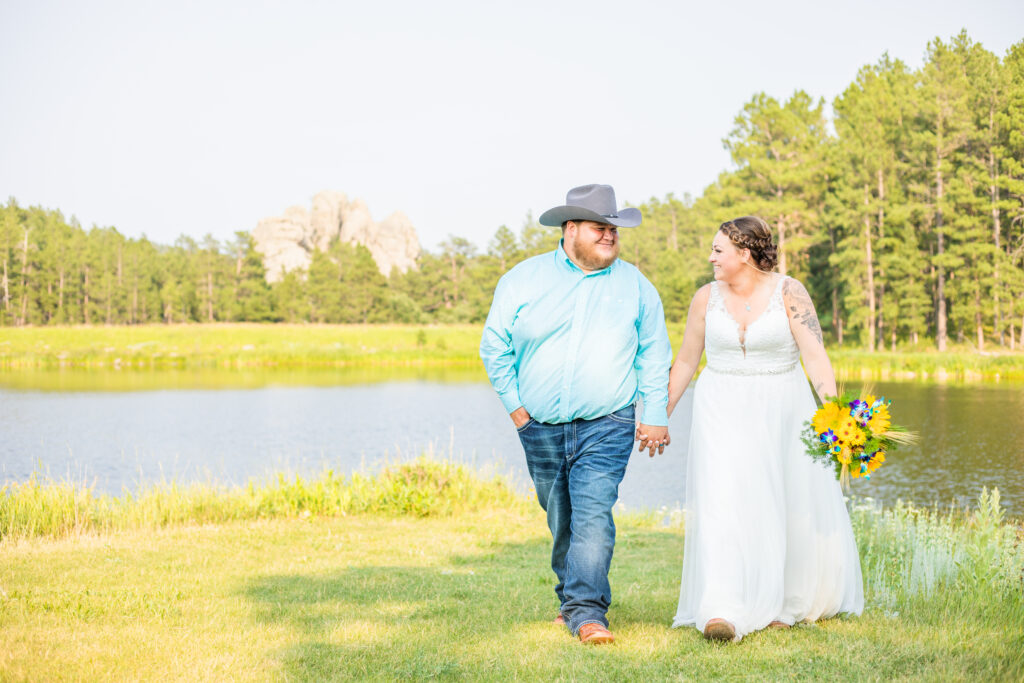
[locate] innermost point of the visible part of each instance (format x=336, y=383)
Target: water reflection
x=117, y=429
x=971, y=436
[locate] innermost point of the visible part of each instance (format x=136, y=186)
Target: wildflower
x=868, y=463
x=849, y=432
x=860, y=410
x=827, y=417
x=880, y=420
x=874, y=461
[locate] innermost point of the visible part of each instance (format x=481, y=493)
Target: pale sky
x=169, y=118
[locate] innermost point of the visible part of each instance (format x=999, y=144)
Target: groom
x=573, y=337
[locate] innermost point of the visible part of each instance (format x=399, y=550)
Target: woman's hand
x=652, y=438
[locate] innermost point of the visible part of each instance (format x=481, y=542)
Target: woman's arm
x=803, y=322
x=690, y=352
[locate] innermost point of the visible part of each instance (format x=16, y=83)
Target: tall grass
x=910, y=554
x=907, y=553
x=957, y=365
x=421, y=488
x=237, y=345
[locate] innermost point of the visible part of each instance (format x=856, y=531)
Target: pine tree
x=323, y=289
x=362, y=288
x=870, y=125
x=944, y=125
x=251, y=295
x=210, y=280
x=778, y=148
x=1010, y=184
x=504, y=247
x=291, y=300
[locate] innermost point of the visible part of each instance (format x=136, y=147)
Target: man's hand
x=652, y=438
x=519, y=417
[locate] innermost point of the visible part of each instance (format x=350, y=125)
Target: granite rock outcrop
x=287, y=241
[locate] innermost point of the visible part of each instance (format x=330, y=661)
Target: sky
x=195, y=118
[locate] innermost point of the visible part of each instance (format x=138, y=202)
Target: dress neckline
x=741, y=331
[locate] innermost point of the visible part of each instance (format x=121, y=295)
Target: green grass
x=439, y=574
x=421, y=488
x=393, y=348
x=241, y=345
x=957, y=365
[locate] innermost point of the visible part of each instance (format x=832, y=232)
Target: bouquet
x=852, y=434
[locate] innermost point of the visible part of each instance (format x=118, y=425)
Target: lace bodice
x=767, y=348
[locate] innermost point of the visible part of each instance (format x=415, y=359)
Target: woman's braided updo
x=753, y=233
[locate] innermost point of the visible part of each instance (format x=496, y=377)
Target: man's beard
x=592, y=258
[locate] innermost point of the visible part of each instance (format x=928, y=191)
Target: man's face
x=591, y=246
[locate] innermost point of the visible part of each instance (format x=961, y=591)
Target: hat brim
x=626, y=218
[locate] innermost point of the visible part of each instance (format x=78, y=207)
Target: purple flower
x=860, y=411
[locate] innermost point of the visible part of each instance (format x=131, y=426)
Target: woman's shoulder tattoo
x=801, y=307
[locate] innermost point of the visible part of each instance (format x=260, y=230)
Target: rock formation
x=287, y=241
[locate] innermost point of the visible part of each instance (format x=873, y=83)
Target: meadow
x=308, y=347
x=428, y=570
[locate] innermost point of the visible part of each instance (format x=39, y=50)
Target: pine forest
x=901, y=209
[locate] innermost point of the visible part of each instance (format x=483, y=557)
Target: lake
x=118, y=430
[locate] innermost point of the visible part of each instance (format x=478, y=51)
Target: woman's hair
x=753, y=233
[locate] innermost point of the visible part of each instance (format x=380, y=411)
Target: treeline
x=904, y=215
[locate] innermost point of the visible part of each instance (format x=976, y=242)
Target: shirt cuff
x=655, y=416
x=511, y=401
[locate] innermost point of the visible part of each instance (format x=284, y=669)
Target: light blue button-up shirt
x=568, y=345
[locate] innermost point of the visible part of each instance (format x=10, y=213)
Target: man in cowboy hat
x=573, y=338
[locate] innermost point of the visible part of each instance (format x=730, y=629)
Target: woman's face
x=726, y=259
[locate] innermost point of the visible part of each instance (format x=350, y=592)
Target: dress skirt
x=768, y=535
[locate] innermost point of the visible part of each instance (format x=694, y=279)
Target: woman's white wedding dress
x=768, y=536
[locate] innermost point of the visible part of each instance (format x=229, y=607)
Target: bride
x=768, y=537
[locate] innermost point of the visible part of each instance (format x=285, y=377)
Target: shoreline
x=316, y=588
x=41, y=507
x=283, y=348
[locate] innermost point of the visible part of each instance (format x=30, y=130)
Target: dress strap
x=775, y=301
x=715, y=300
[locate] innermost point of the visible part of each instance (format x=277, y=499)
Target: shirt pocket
x=615, y=310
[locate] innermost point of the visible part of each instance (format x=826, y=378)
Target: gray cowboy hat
x=591, y=203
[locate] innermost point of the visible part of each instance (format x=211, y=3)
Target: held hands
x=652, y=438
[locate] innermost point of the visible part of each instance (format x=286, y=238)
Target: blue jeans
x=576, y=468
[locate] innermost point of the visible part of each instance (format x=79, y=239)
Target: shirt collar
x=563, y=258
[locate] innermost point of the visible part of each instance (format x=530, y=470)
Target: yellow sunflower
x=844, y=456
x=827, y=417
x=880, y=421
x=849, y=432
x=876, y=461
x=873, y=464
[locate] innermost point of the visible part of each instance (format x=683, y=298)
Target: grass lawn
x=405, y=348
x=465, y=594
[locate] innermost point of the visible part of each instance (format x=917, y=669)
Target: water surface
x=118, y=430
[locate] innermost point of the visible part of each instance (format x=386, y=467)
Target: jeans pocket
x=520, y=430
x=626, y=416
